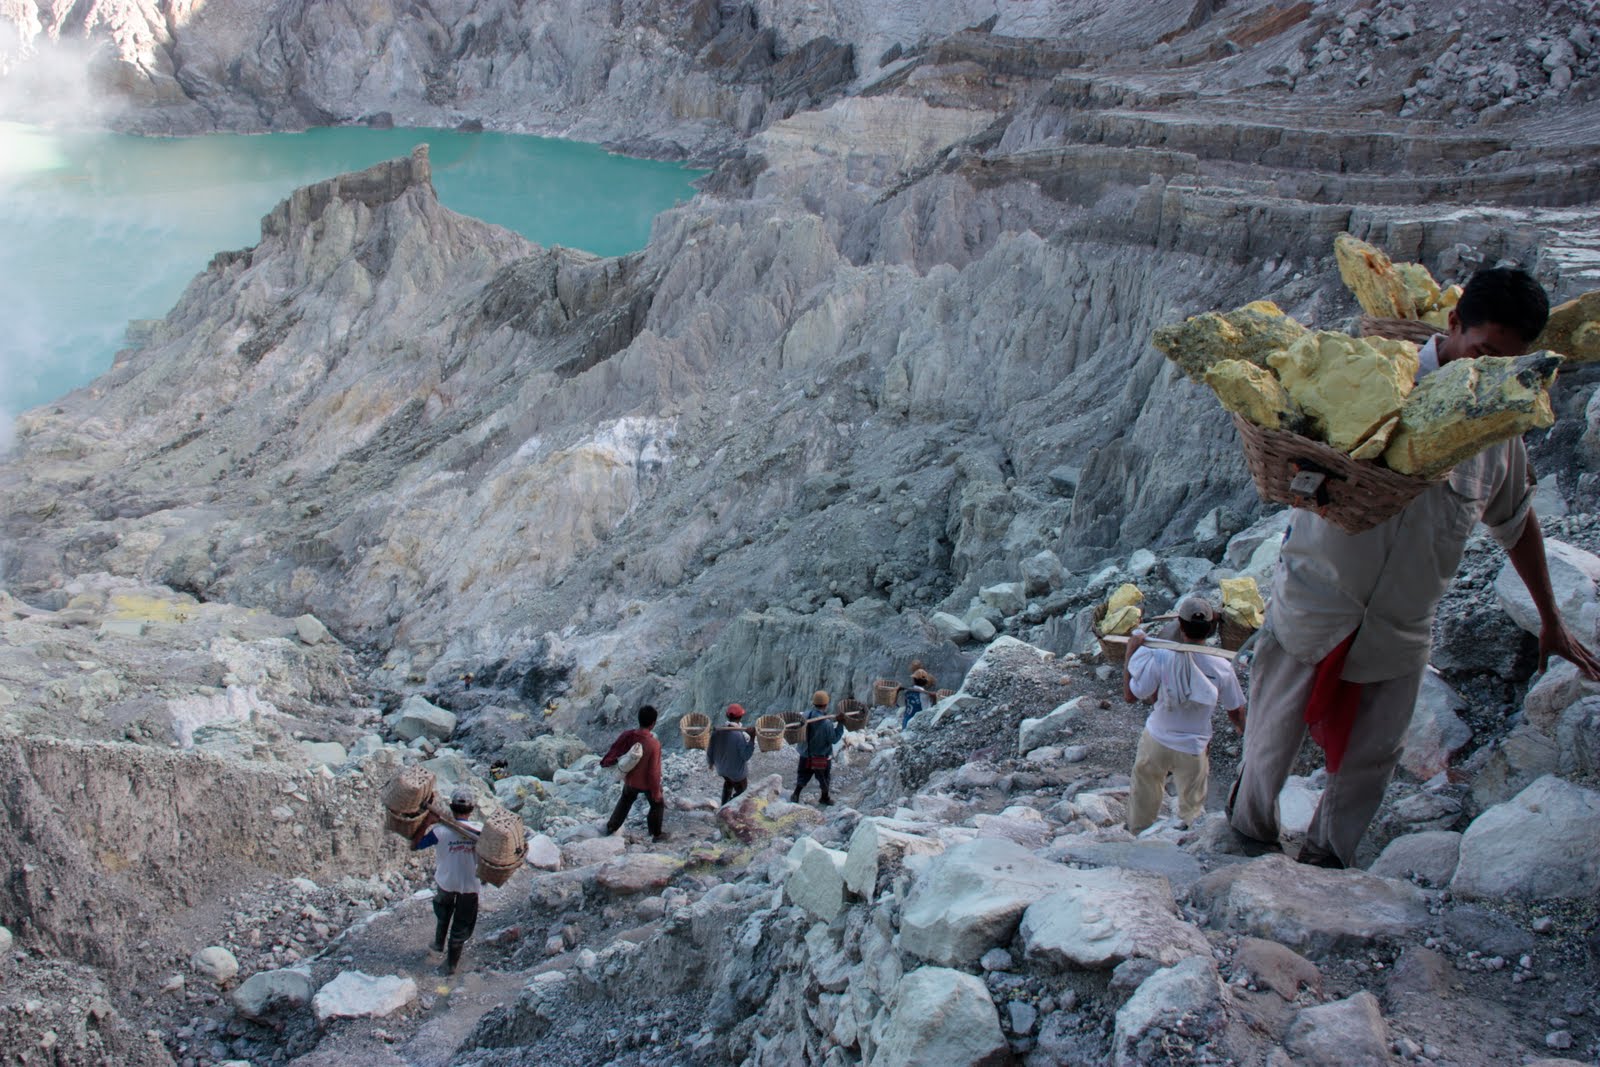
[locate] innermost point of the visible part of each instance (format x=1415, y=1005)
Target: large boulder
x=877, y=849
x=950, y=627
x=1007, y=597
x=1541, y=844
x=1345, y=1033
x=1558, y=688
x=1431, y=856
x=1107, y=916
x=1041, y=572
x=1184, y=1001
x=544, y=756
x=941, y=1018
x=269, y=993
x=1573, y=577
x=816, y=878
x=589, y=850
x=1152, y=856
x=1578, y=737
x=638, y=872
x=971, y=898
x=1522, y=757
x=543, y=853
x=1311, y=909
x=1051, y=728
x=418, y=718
x=356, y=995
x=1436, y=731
x=216, y=963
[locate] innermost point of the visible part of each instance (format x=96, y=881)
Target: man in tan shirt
x=1351, y=619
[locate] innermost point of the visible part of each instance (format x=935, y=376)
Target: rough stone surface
x=1540, y=844
x=816, y=878
x=269, y=993
x=1346, y=1032
x=215, y=963
x=1310, y=909
x=971, y=898
x=637, y=872
x=1050, y=729
x=1275, y=966
x=1436, y=731
x=1430, y=856
x=877, y=849
x=1183, y=1001
x=1106, y=917
x=419, y=718
x=356, y=995
x=942, y=1016
x=310, y=629
x=1573, y=577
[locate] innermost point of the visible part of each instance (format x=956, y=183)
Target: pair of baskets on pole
x=500, y=847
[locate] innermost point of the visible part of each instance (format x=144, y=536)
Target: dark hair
x=1507, y=296
x=1196, y=629
x=460, y=809
x=647, y=717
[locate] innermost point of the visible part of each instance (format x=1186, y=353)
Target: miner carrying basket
x=456, y=886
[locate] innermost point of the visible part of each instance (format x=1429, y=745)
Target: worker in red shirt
x=644, y=778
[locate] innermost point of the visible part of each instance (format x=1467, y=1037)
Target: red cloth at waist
x=1331, y=710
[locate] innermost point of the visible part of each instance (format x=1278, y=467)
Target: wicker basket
x=769, y=733
x=794, y=727
x=408, y=796
x=1112, y=652
x=1232, y=635
x=856, y=714
x=696, y=730
x=1354, y=495
x=1414, y=330
x=503, y=839
x=885, y=694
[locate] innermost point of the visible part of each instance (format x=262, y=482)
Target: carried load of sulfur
x=1337, y=423
x=1118, y=616
x=1243, y=611
x=1389, y=290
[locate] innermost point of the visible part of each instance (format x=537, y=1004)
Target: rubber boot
x=826, y=801
x=440, y=928
x=454, y=958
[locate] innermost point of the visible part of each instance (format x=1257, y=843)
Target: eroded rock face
x=942, y=1016
x=1109, y=916
x=1551, y=819
x=972, y=897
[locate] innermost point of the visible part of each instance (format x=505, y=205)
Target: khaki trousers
x=1150, y=769
x=1275, y=728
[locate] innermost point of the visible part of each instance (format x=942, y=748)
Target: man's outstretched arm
x=1527, y=556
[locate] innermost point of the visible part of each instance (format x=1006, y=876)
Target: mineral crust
x=1350, y=387
x=1468, y=405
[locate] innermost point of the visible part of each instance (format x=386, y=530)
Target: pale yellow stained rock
x=1250, y=333
x=1121, y=621
x=1127, y=594
x=1348, y=386
x=1242, y=602
x=1253, y=392
x=1373, y=446
x=1574, y=329
x=1368, y=273
x=1468, y=405
x=1420, y=287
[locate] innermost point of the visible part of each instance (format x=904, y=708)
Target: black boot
x=454, y=957
x=826, y=801
x=440, y=928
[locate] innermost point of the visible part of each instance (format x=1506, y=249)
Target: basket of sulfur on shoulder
x=501, y=847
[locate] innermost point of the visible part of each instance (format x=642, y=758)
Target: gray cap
x=462, y=796
x=1196, y=609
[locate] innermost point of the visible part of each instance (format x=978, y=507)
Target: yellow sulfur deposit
x=1348, y=386
x=1367, y=272
x=1468, y=405
x=1253, y=392
x=1242, y=603
x=1126, y=595
x=1574, y=329
x=1121, y=621
x=1250, y=333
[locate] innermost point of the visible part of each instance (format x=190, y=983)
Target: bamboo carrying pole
x=1176, y=646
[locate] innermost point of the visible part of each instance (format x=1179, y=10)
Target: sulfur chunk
x=1121, y=621
x=1420, y=287
x=1242, y=603
x=1574, y=329
x=1250, y=333
x=1373, y=446
x=1367, y=272
x=1348, y=386
x=1253, y=392
x=1126, y=595
x=1468, y=405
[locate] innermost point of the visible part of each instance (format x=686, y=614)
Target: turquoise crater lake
x=97, y=229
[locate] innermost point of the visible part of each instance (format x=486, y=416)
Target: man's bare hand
x=1556, y=640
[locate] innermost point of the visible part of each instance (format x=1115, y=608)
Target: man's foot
x=794, y=798
x=662, y=836
x=1234, y=843
x=1312, y=856
x=826, y=802
x=438, y=946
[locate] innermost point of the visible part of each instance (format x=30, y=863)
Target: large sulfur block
x=1255, y=393
x=1468, y=405
x=1350, y=387
x=1250, y=333
x=1574, y=329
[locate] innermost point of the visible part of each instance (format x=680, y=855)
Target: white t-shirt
x=1179, y=725
x=458, y=859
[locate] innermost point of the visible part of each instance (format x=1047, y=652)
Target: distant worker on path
x=729, y=753
x=921, y=687
x=645, y=777
x=456, y=887
x=1186, y=688
x=816, y=751
x=1350, y=626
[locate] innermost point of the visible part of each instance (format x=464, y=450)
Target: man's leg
x=1149, y=776
x=825, y=779
x=801, y=777
x=727, y=790
x=465, y=922
x=1191, y=773
x=624, y=805
x=658, y=808
x=444, y=905
x=738, y=787
x=1275, y=727
x=1352, y=796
